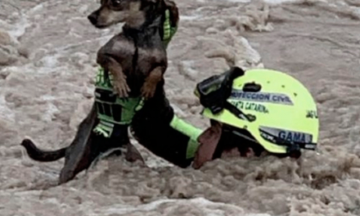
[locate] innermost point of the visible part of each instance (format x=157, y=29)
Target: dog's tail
x=42, y=155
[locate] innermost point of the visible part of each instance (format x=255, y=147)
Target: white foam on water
x=275, y=2
x=207, y=208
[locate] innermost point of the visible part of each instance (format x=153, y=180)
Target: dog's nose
x=92, y=18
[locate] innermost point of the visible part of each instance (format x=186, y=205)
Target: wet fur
x=152, y=64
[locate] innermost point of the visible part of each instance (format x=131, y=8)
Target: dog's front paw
x=121, y=89
x=148, y=90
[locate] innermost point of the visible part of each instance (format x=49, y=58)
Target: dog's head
x=112, y=12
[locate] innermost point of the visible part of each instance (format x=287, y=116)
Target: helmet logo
x=276, y=98
x=294, y=137
x=285, y=136
x=311, y=114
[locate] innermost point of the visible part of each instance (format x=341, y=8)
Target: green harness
x=113, y=110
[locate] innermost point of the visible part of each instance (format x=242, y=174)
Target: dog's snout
x=92, y=18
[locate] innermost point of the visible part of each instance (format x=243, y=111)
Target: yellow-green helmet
x=284, y=110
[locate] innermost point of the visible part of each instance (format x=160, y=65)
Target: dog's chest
x=138, y=59
x=149, y=58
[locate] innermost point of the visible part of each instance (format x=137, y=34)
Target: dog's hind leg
x=90, y=147
x=132, y=154
x=79, y=154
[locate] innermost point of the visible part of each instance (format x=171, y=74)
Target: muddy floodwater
x=47, y=71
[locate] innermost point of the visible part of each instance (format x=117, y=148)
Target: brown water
x=46, y=84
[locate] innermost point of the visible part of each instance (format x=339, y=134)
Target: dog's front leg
x=149, y=87
x=120, y=85
x=119, y=82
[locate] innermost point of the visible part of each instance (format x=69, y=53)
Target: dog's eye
x=116, y=2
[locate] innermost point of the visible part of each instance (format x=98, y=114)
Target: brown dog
x=134, y=60
x=136, y=57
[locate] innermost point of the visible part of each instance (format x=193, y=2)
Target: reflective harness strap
x=169, y=31
x=104, y=128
